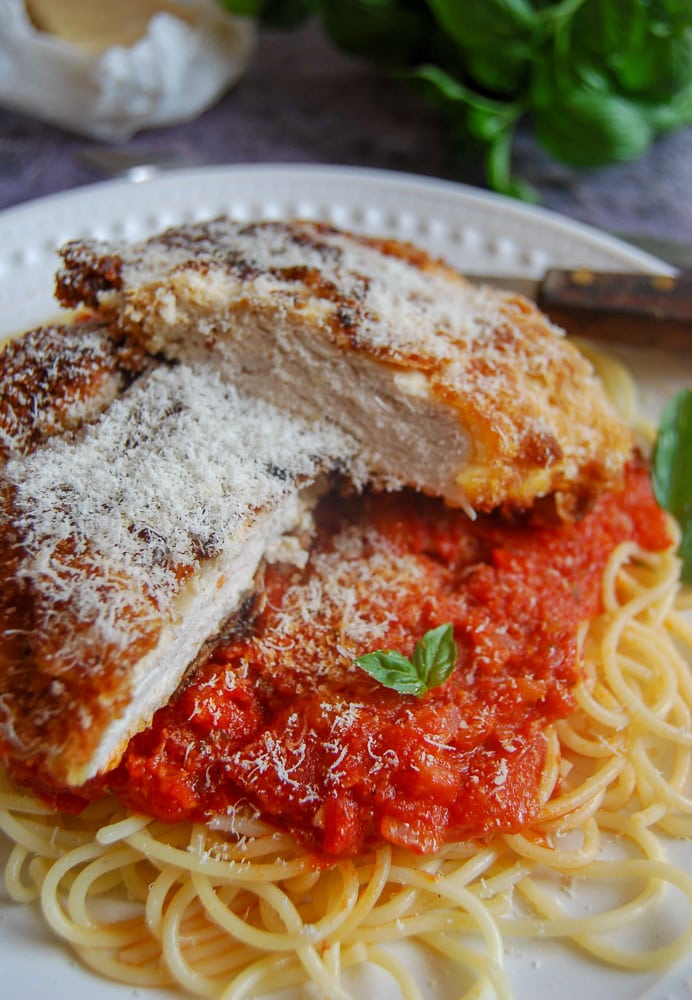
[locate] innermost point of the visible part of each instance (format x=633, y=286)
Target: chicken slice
x=55, y=378
x=129, y=545
x=458, y=391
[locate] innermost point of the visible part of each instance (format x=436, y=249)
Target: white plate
x=474, y=231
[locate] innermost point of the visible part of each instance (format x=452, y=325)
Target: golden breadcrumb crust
x=531, y=416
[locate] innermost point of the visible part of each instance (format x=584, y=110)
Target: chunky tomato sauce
x=282, y=719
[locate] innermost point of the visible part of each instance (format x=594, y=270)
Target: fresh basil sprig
x=596, y=80
x=672, y=470
x=431, y=664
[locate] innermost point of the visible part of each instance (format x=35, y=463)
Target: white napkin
x=171, y=74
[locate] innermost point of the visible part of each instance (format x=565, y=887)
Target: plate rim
x=390, y=178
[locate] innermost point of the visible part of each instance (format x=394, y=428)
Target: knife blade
x=649, y=310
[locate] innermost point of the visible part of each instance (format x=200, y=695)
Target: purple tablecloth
x=303, y=102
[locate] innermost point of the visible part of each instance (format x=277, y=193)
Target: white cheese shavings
x=395, y=304
x=54, y=378
x=111, y=523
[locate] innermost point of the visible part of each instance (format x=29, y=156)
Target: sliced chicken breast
x=55, y=378
x=458, y=391
x=129, y=545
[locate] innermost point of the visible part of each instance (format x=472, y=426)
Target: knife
x=648, y=310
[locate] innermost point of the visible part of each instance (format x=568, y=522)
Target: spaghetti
x=237, y=909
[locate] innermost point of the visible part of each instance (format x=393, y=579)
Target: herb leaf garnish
x=431, y=663
x=596, y=80
x=672, y=470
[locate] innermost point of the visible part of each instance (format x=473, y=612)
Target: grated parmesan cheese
x=453, y=389
x=134, y=540
x=169, y=474
x=55, y=378
x=400, y=305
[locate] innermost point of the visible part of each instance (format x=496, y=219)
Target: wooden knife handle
x=650, y=310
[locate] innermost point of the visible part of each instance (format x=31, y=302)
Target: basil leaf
x=675, y=112
x=393, y=670
x=685, y=550
x=596, y=80
x=435, y=655
x=672, y=470
x=377, y=30
x=481, y=30
x=431, y=664
x=589, y=128
x=672, y=460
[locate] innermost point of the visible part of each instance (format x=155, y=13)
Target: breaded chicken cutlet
x=458, y=391
x=130, y=540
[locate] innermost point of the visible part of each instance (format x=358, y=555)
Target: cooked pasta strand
x=234, y=912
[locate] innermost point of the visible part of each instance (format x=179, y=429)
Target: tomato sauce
x=282, y=719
